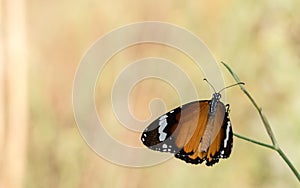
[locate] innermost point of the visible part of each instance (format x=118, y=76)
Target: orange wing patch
x=191, y=152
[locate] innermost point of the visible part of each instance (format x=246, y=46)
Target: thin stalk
x=262, y=116
x=267, y=126
x=254, y=141
x=288, y=162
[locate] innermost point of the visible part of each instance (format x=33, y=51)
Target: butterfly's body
x=195, y=132
x=206, y=139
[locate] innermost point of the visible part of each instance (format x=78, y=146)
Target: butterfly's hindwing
x=225, y=148
x=226, y=145
x=220, y=148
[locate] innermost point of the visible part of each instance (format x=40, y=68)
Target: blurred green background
x=260, y=40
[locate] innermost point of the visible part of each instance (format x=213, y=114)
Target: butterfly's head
x=217, y=96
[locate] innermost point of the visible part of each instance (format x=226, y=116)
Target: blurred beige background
x=42, y=43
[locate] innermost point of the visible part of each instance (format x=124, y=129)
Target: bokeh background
x=42, y=43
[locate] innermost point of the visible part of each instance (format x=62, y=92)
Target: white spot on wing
x=227, y=134
x=162, y=122
x=164, y=146
x=162, y=125
x=162, y=136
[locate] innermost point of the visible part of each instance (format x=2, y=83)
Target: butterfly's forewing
x=180, y=132
x=171, y=131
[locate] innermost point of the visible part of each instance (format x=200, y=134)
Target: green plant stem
x=267, y=126
x=254, y=141
x=288, y=162
x=262, y=116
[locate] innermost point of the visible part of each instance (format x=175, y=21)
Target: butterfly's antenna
x=210, y=84
x=239, y=83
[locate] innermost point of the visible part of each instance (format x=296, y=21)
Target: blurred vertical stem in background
x=267, y=125
x=2, y=130
x=15, y=114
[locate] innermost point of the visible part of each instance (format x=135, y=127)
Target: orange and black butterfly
x=195, y=132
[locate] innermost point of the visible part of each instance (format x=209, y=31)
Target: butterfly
x=194, y=132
